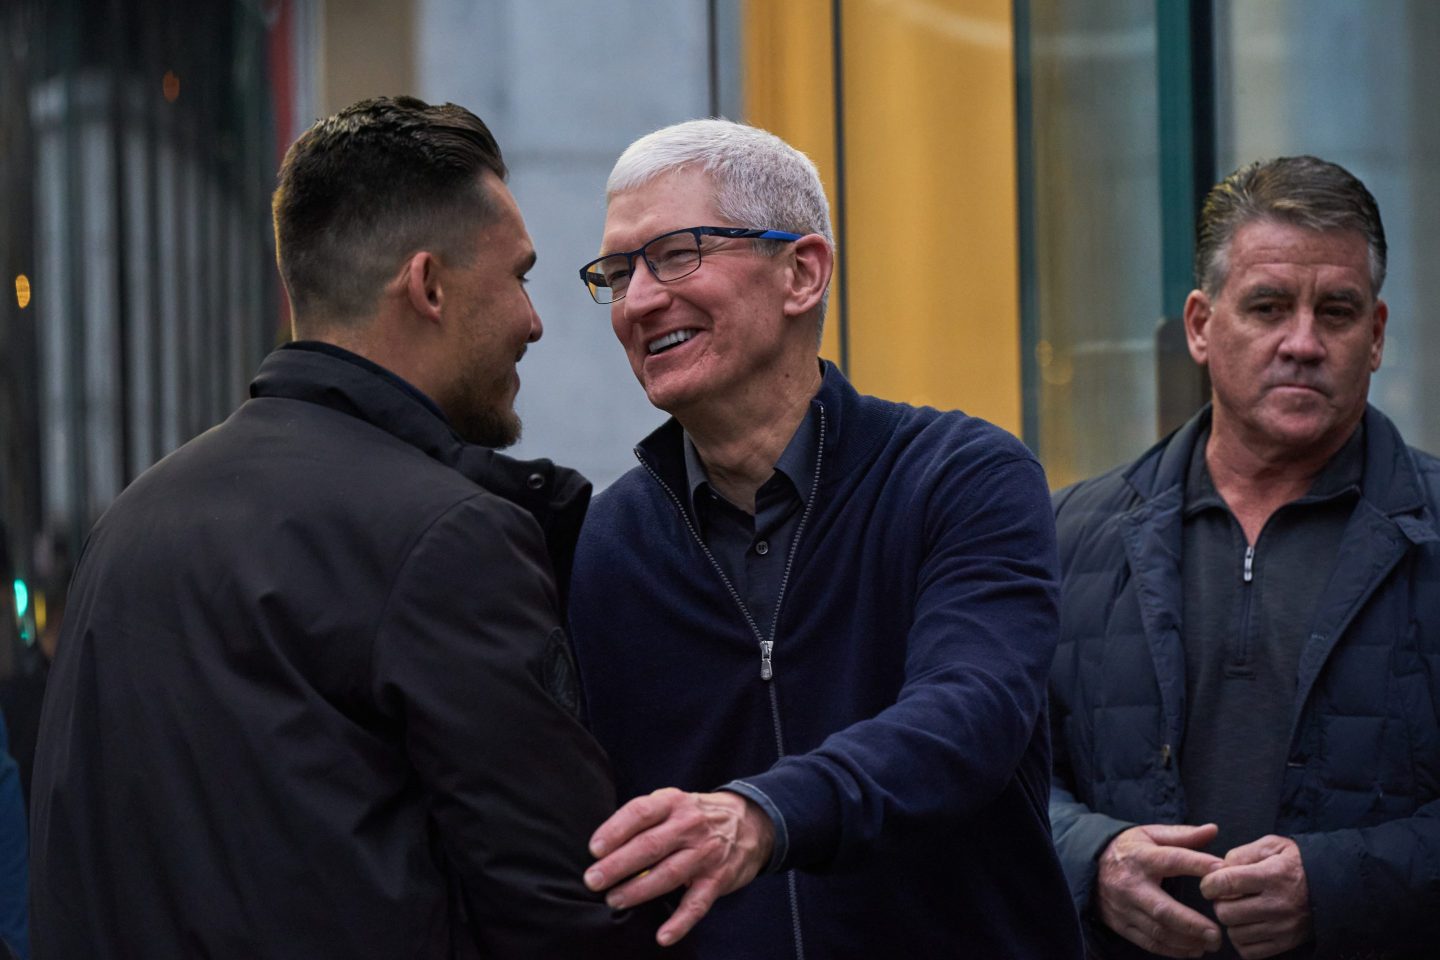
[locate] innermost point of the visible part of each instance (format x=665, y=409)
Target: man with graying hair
x=1246, y=698
x=312, y=697
x=813, y=626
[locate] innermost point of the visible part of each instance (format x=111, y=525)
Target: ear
x=813, y=261
x=1377, y=328
x=1197, y=326
x=421, y=279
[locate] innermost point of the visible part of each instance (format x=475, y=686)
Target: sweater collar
x=860, y=421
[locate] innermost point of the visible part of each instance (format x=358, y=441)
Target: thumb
x=1182, y=834
x=1255, y=851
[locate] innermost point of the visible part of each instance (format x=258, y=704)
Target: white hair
x=760, y=180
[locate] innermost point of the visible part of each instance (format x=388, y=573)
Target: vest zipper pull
x=766, y=671
x=1249, y=563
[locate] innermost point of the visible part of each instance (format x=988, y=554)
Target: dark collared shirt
x=1247, y=614
x=753, y=550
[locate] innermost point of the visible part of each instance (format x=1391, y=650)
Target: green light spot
x=22, y=598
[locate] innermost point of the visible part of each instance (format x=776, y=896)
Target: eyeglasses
x=669, y=256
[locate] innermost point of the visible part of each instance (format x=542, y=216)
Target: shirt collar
x=1341, y=474
x=796, y=463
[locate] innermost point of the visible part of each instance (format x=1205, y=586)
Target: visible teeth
x=669, y=340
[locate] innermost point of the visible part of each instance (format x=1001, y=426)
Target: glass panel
x=1356, y=85
x=928, y=223
x=1094, y=188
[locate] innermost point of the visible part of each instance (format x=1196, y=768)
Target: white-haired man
x=813, y=626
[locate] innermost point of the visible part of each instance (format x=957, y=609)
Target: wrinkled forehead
x=1267, y=252
x=670, y=201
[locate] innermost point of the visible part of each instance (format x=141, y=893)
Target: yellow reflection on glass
x=22, y=291
x=171, y=86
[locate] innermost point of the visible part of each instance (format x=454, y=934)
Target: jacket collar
x=1391, y=482
x=331, y=377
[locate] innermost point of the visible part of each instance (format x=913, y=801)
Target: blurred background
x=1014, y=185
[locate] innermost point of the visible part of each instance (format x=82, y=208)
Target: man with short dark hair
x=312, y=697
x=1246, y=698
x=814, y=626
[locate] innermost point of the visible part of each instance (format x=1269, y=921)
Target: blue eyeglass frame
x=727, y=233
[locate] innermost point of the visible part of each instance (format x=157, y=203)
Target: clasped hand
x=1258, y=889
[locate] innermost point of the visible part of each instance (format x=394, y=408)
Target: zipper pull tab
x=1249, y=562
x=766, y=671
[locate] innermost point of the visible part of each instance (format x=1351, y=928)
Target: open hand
x=712, y=843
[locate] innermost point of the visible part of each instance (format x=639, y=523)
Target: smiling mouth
x=669, y=340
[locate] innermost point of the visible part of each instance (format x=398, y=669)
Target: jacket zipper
x=767, y=647
x=1240, y=652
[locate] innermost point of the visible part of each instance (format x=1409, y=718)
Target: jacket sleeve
x=977, y=654
x=1080, y=834
x=1375, y=889
x=471, y=661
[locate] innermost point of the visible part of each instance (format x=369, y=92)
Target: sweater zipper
x=765, y=667
x=767, y=647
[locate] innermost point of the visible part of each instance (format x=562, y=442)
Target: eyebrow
x=1266, y=293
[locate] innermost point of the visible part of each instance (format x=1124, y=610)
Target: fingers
x=1231, y=883
x=712, y=843
x=1131, y=901
x=1257, y=850
x=1181, y=834
x=1179, y=862
x=1269, y=865
x=637, y=815
x=670, y=873
x=1270, y=937
x=693, y=906
x=1262, y=898
x=1155, y=921
x=1136, y=851
x=638, y=837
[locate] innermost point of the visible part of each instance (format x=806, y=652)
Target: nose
x=1302, y=341
x=644, y=293
x=537, y=329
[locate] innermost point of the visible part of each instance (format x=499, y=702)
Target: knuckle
x=666, y=875
x=651, y=847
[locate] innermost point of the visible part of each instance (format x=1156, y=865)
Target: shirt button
x=761, y=547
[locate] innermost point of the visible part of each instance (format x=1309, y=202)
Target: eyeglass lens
x=670, y=257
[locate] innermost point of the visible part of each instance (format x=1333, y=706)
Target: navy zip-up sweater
x=901, y=737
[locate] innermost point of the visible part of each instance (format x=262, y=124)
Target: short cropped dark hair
x=1302, y=191
x=362, y=190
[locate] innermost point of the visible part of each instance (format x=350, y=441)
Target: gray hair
x=760, y=180
x=1301, y=191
